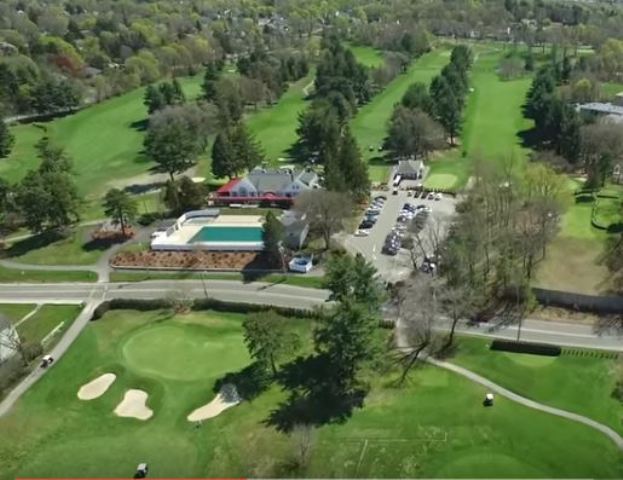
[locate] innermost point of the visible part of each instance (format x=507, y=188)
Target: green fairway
x=368, y=56
x=13, y=275
x=275, y=128
x=105, y=141
x=370, y=124
x=580, y=384
x=435, y=426
x=76, y=249
x=493, y=120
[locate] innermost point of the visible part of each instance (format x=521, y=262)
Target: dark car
x=365, y=224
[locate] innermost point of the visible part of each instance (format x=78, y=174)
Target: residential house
x=278, y=186
x=296, y=229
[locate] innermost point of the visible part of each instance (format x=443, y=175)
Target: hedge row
x=526, y=347
x=199, y=304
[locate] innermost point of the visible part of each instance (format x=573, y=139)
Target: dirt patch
x=228, y=397
x=134, y=405
x=97, y=387
x=192, y=260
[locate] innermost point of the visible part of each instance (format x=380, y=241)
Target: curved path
x=494, y=387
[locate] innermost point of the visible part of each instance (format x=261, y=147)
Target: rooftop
x=600, y=107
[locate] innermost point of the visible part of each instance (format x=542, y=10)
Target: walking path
x=494, y=387
x=28, y=315
x=56, y=353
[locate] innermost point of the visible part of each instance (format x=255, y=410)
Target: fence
x=578, y=301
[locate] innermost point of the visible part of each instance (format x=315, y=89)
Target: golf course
x=434, y=426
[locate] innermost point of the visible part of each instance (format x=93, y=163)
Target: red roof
x=228, y=186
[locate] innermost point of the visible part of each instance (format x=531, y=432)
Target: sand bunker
x=96, y=388
x=228, y=397
x=134, y=405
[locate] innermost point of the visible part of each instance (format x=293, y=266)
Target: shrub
x=526, y=347
x=32, y=350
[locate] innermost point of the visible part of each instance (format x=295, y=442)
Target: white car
x=431, y=196
x=362, y=233
x=438, y=196
x=300, y=264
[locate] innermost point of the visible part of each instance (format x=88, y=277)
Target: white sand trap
x=134, y=405
x=96, y=388
x=228, y=397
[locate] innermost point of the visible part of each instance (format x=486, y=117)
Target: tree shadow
x=22, y=247
x=101, y=244
x=615, y=228
x=530, y=138
x=140, y=125
x=257, y=269
x=138, y=189
x=250, y=382
x=313, y=398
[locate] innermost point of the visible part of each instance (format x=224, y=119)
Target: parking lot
x=396, y=267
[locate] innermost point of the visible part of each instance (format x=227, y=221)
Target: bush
x=526, y=347
x=32, y=350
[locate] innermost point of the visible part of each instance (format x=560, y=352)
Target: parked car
x=366, y=224
x=395, y=191
x=430, y=196
x=362, y=232
x=380, y=197
x=438, y=196
x=373, y=211
x=301, y=264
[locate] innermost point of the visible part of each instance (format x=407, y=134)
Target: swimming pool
x=225, y=234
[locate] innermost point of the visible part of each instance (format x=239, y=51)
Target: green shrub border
x=526, y=347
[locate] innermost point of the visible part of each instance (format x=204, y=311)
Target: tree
x=417, y=97
x=446, y=107
x=224, y=161
x=7, y=140
x=327, y=211
x=413, y=133
x=121, y=207
x=353, y=278
x=600, y=143
x=353, y=169
x=153, y=99
x=346, y=338
x=210, y=78
x=268, y=338
x=190, y=194
x=177, y=135
x=273, y=235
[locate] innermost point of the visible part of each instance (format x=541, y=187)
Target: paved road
x=494, y=387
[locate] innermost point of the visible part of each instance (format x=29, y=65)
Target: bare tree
x=417, y=310
x=326, y=211
x=458, y=302
x=302, y=439
x=10, y=340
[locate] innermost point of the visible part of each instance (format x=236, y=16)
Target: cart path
x=494, y=387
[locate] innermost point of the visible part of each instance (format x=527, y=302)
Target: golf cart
x=46, y=361
x=141, y=470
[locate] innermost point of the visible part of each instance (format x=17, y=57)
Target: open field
x=580, y=384
x=14, y=312
x=492, y=123
x=435, y=426
x=46, y=320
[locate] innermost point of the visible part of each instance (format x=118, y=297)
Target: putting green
x=441, y=180
x=184, y=353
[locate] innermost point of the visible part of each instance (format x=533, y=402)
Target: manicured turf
x=368, y=56
x=14, y=312
x=291, y=279
x=104, y=141
x=11, y=275
x=436, y=426
x=76, y=249
x=370, y=124
x=49, y=317
x=275, y=128
x=580, y=384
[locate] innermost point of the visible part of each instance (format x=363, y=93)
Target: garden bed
x=232, y=261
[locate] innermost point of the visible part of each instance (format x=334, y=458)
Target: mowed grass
x=579, y=384
x=434, y=427
x=368, y=56
x=13, y=275
x=75, y=249
x=105, y=141
x=493, y=121
x=14, y=312
x=275, y=127
x=46, y=320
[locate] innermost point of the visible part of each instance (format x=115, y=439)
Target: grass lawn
x=434, y=427
x=291, y=279
x=105, y=140
x=493, y=121
x=368, y=56
x=14, y=312
x=579, y=384
x=370, y=124
x=76, y=249
x=275, y=128
x=11, y=275
x=49, y=317
x=609, y=90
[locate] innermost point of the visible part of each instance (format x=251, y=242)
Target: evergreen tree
x=209, y=82
x=121, y=207
x=153, y=99
x=273, y=235
x=177, y=93
x=354, y=169
x=246, y=148
x=7, y=140
x=191, y=195
x=417, y=96
x=223, y=157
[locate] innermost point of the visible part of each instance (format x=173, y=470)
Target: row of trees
x=565, y=138
x=162, y=95
x=423, y=118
